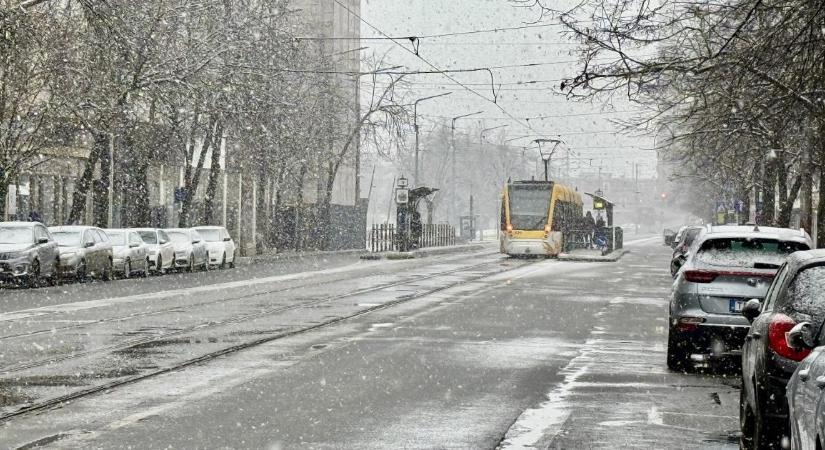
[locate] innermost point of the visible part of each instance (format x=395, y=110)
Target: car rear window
x=806, y=293
x=746, y=252
x=148, y=237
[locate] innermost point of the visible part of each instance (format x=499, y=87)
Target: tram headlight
x=547, y=228
x=509, y=228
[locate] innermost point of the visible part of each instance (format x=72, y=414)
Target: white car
x=161, y=250
x=219, y=245
x=130, y=253
x=190, y=250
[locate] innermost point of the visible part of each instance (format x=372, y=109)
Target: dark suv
x=767, y=360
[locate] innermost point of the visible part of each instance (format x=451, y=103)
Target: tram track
x=92, y=390
x=240, y=318
x=176, y=308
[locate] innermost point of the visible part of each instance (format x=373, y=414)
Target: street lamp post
x=415, y=124
x=546, y=156
x=452, y=162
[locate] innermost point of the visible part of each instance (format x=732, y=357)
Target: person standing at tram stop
x=589, y=226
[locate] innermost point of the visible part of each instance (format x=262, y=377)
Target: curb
x=610, y=257
x=423, y=253
x=257, y=259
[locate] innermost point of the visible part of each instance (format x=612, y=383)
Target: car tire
x=159, y=268
x=223, y=262
x=191, y=267
x=677, y=355
x=127, y=268
x=232, y=263
x=145, y=272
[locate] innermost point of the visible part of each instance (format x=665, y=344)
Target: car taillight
x=700, y=276
x=779, y=326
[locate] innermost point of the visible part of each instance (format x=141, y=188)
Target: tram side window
x=558, y=215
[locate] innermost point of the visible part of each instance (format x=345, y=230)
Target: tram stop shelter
x=614, y=235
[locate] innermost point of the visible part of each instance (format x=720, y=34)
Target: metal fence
x=383, y=237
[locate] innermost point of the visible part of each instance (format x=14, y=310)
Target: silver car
x=28, y=253
x=725, y=267
x=84, y=251
x=219, y=245
x=161, y=250
x=190, y=249
x=131, y=254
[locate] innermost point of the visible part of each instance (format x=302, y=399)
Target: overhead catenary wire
x=431, y=65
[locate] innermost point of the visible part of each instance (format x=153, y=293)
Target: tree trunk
x=193, y=174
x=4, y=191
x=786, y=207
x=769, y=189
x=214, y=175
x=100, y=145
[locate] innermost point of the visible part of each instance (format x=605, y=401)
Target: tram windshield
x=529, y=206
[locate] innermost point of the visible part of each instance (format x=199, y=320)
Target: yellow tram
x=535, y=215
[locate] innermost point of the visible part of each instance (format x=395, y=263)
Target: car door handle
x=820, y=382
x=754, y=335
x=804, y=374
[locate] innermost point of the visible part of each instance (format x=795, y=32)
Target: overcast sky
x=586, y=127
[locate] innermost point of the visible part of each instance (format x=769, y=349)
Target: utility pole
x=415, y=125
x=453, y=190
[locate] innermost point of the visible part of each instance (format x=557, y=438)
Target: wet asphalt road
x=459, y=351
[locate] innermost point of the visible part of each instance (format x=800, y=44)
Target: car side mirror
x=800, y=337
x=42, y=240
x=162, y=241
x=227, y=239
x=133, y=245
x=752, y=309
x=89, y=244
x=196, y=241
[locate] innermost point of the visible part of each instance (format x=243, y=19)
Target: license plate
x=736, y=305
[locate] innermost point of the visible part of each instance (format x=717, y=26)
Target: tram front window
x=529, y=207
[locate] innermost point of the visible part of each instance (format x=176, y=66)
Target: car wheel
x=159, y=267
x=127, y=269
x=223, y=262
x=677, y=354
x=232, y=264
x=191, y=267
x=145, y=272
x=34, y=274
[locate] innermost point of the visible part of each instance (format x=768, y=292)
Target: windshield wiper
x=761, y=265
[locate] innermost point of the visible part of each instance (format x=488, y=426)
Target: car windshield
x=746, y=252
x=805, y=293
x=210, y=235
x=15, y=235
x=149, y=237
x=67, y=238
x=178, y=237
x=118, y=238
x=529, y=206
x=690, y=236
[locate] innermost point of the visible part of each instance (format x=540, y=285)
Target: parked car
x=161, y=250
x=28, y=253
x=131, y=254
x=219, y=245
x=806, y=390
x=678, y=236
x=725, y=267
x=84, y=252
x=190, y=249
x=682, y=246
x=767, y=360
x=668, y=235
